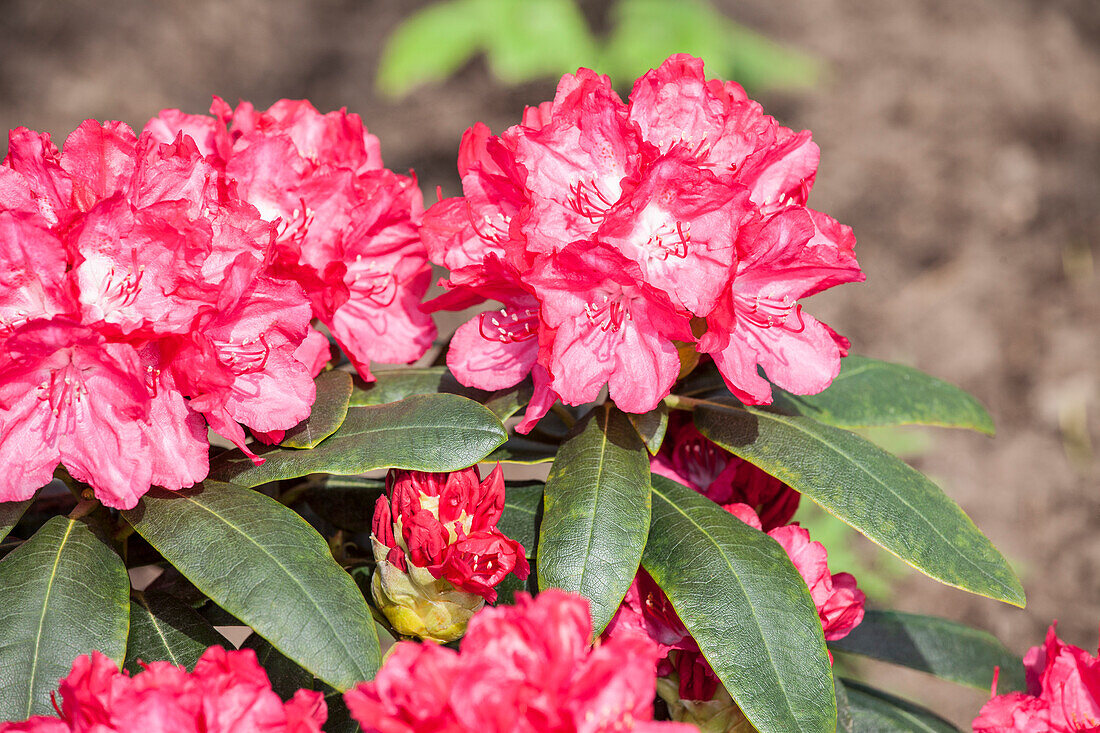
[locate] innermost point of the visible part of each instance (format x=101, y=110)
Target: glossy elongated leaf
x=747, y=608
x=873, y=710
x=286, y=676
x=66, y=593
x=873, y=491
x=164, y=628
x=844, y=722
x=870, y=393
x=397, y=384
x=440, y=432
x=937, y=646
x=652, y=426
x=523, y=451
x=596, y=512
x=328, y=413
x=346, y=501
x=522, y=510
x=10, y=514
x=266, y=566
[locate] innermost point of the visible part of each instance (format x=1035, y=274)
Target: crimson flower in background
x=438, y=549
x=1063, y=693
x=228, y=692
x=528, y=668
x=346, y=226
x=136, y=306
x=613, y=234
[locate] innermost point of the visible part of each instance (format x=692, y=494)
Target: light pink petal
x=490, y=364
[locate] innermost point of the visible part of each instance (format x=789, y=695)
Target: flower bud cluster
x=439, y=553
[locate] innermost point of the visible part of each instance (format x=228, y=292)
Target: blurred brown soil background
x=961, y=140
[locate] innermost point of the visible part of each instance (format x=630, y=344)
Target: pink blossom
x=228, y=692
x=691, y=459
x=1063, y=692
x=347, y=228
x=528, y=668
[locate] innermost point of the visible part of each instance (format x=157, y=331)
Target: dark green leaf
x=66, y=593
x=346, y=501
x=507, y=402
x=164, y=628
x=746, y=606
x=596, y=515
x=172, y=582
x=873, y=491
x=869, y=393
x=265, y=565
x=439, y=432
x=873, y=711
x=844, y=722
x=523, y=451
x=10, y=513
x=652, y=426
x=522, y=510
x=507, y=588
x=937, y=646
x=397, y=384
x=328, y=413
x=339, y=719
x=286, y=676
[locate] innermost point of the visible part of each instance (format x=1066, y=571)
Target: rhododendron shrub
x=650, y=401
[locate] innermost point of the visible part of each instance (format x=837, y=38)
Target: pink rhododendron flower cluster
x=616, y=234
x=438, y=549
x=1063, y=693
x=228, y=692
x=690, y=458
x=136, y=307
x=346, y=226
x=528, y=668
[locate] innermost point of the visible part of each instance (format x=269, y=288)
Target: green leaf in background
x=523, y=451
x=328, y=413
x=439, y=432
x=507, y=402
x=890, y=503
x=397, y=384
x=746, y=606
x=10, y=514
x=522, y=509
x=844, y=722
x=164, y=628
x=651, y=426
x=346, y=501
x=937, y=646
x=266, y=566
x=596, y=512
x=645, y=32
x=429, y=46
x=286, y=676
x=529, y=39
x=66, y=593
x=872, y=711
x=869, y=393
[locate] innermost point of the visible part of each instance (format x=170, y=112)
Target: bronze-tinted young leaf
x=266, y=566
x=164, y=628
x=10, y=514
x=596, y=512
x=66, y=593
x=870, y=393
x=875, y=710
x=439, y=432
x=747, y=608
x=522, y=511
x=873, y=491
x=937, y=646
x=652, y=426
x=397, y=384
x=327, y=414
